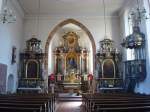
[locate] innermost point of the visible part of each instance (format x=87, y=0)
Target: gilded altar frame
x=73, y=56
x=109, y=76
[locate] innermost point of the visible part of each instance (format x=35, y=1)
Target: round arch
x=57, y=27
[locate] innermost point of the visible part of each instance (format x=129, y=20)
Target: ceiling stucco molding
x=48, y=17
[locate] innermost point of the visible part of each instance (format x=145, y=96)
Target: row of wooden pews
x=27, y=103
x=123, y=102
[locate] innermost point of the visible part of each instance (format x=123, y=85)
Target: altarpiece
x=108, y=65
x=31, y=67
x=71, y=62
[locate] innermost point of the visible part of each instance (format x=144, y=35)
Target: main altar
x=71, y=63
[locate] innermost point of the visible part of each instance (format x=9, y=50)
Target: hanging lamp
x=106, y=45
x=135, y=40
x=6, y=15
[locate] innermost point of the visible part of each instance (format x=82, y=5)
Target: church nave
x=74, y=55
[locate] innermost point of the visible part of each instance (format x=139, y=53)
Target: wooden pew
x=106, y=102
x=30, y=102
x=42, y=104
x=19, y=109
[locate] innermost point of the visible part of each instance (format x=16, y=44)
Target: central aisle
x=69, y=106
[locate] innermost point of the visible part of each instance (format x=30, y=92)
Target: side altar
x=31, y=66
x=108, y=66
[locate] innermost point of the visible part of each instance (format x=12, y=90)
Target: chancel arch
x=70, y=48
x=58, y=27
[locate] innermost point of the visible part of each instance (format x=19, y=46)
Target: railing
x=110, y=84
x=30, y=83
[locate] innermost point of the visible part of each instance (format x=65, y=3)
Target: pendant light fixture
x=136, y=40
x=38, y=16
x=105, y=24
x=34, y=41
x=36, y=31
x=106, y=45
x=6, y=15
x=136, y=15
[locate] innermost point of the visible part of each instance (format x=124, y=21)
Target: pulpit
x=135, y=69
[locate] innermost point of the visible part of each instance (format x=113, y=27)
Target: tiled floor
x=70, y=106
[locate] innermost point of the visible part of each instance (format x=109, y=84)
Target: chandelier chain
x=138, y=4
x=104, y=6
x=38, y=18
x=136, y=15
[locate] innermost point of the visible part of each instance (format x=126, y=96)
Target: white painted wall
x=1, y=1
x=94, y=24
x=11, y=35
